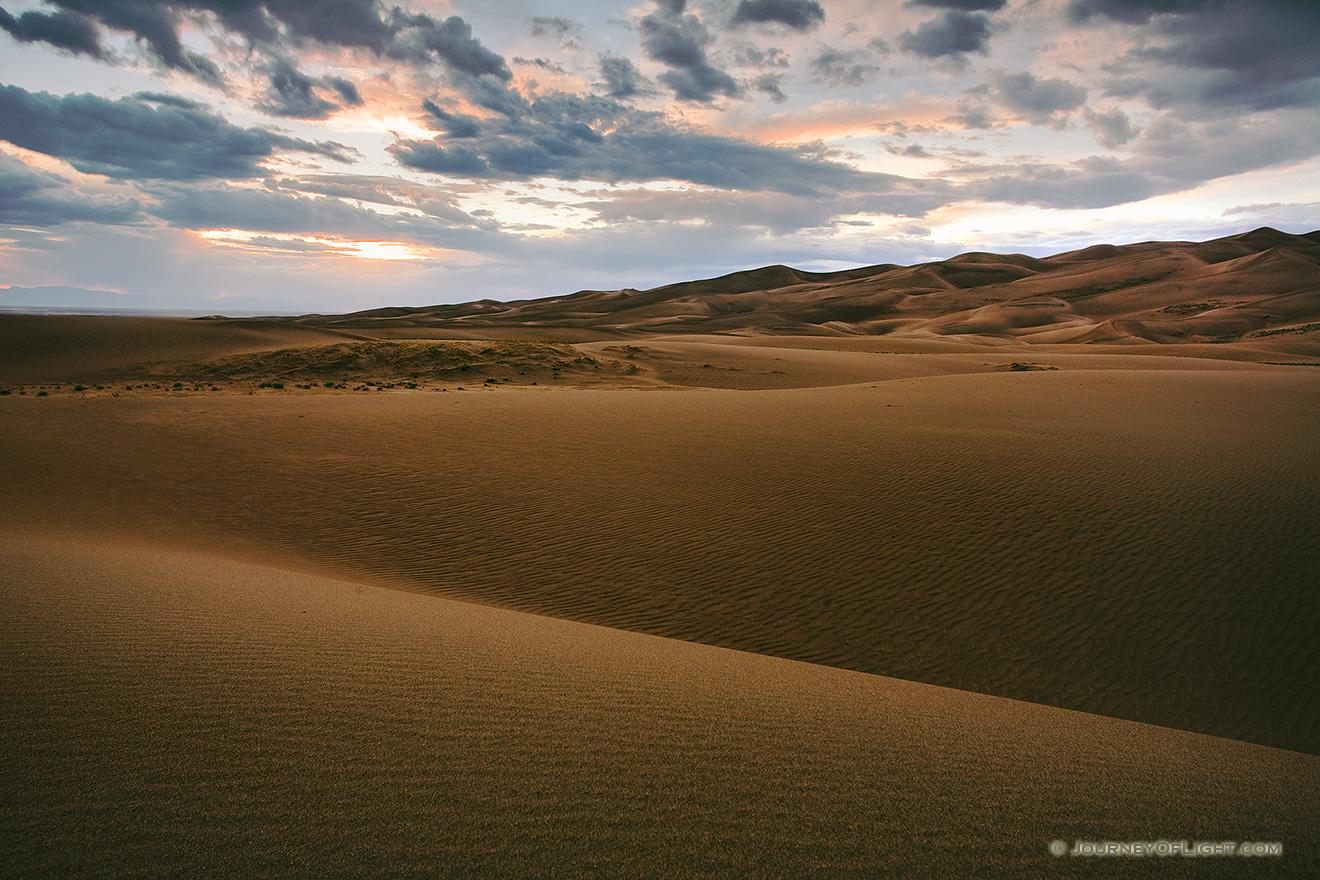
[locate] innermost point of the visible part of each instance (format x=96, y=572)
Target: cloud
x=70, y=31
x=963, y=5
x=761, y=59
x=348, y=92
x=416, y=37
x=1135, y=11
x=1169, y=156
x=592, y=138
x=779, y=213
x=911, y=151
x=1039, y=101
x=144, y=136
x=391, y=191
x=33, y=198
x=1218, y=53
x=456, y=125
x=293, y=94
x=1194, y=152
x=800, y=15
x=838, y=68
x=1112, y=128
x=154, y=24
x=952, y=34
x=622, y=78
x=277, y=211
x=771, y=84
x=77, y=25
x=679, y=42
x=1081, y=185
x=567, y=31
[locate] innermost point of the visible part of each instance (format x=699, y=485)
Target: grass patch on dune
x=1305, y=328
x=395, y=359
x=1193, y=308
x=402, y=363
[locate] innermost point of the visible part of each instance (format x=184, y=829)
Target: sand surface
x=203, y=668
x=169, y=714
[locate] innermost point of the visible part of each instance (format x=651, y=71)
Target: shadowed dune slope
x=1138, y=543
x=169, y=714
x=67, y=348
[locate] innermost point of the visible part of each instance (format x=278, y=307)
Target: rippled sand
x=168, y=714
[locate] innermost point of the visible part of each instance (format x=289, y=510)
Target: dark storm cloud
x=679, y=42
x=839, y=68
x=155, y=24
x=964, y=5
x=456, y=125
x=1223, y=53
x=622, y=78
x=363, y=24
x=489, y=93
x=952, y=34
x=63, y=29
x=1039, y=101
x=348, y=92
x=293, y=94
x=29, y=197
x=561, y=135
x=143, y=136
x=417, y=35
x=801, y=15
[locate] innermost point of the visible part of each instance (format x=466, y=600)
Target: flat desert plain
x=280, y=599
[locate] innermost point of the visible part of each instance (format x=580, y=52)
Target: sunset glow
x=362, y=250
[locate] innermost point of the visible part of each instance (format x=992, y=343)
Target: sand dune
x=178, y=715
x=1219, y=291
x=1131, y=542
x=970, y=528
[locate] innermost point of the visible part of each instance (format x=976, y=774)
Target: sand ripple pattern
x=168, y=715
x=1138, y=544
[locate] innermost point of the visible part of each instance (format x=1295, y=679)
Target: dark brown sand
x=1131, y=542
x=168, y=714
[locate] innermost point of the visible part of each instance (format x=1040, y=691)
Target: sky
x=290, y=155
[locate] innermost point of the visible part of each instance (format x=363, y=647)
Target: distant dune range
x=1256, y=284
x=1260, y=288
x=1096, y=520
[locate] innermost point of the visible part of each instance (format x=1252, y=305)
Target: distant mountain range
x=1252, y=285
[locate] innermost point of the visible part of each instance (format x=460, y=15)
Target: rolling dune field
x=902, y=571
